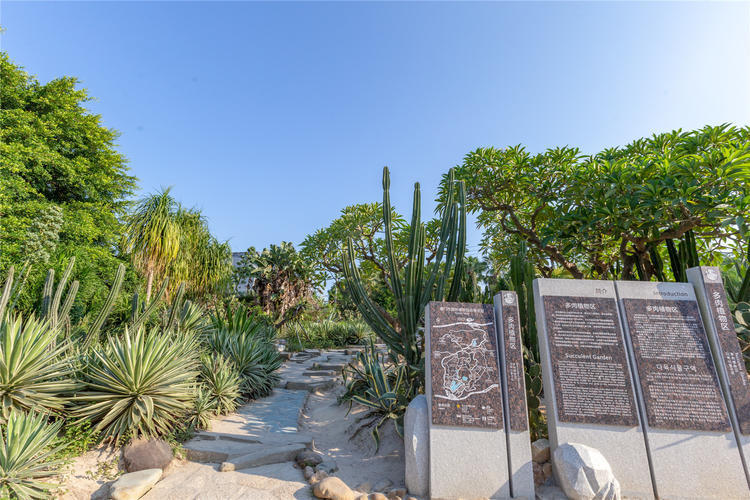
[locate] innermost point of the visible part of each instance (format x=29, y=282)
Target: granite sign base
x=468, y=446
x=727, y=355
x=693, y=451
x=588, y=385
x=508, y=323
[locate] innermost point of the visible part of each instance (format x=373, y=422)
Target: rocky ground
x=298, y=443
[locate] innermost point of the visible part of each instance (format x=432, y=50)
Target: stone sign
x=588, y=384
x=508, y=323
x=727, y=354
x=468, y=447
x=464, y=368
x=686, y=421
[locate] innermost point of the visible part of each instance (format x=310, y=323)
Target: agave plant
x=26, y=448
x=34, y=373
x=139, y=384
x=221, y=381
x=385, y=389
x=202, y=410
x=256, y=360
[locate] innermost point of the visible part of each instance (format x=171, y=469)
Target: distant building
x=241, y=287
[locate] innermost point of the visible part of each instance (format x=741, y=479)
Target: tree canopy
x=604, y=215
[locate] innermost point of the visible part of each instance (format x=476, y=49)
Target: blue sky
x=271, y=117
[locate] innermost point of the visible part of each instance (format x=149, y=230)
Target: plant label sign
x=686, y=419
x=588, y=381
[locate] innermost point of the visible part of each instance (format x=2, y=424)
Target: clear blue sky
x=272, y=117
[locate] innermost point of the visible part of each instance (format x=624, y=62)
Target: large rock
x=584, y=474
x=540, y=451
x=416, y=445
x=134, y=485
x=143, y=454
x=333, y=488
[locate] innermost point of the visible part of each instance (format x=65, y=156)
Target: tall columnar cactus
x=683, y=256
x=93, y=333
x=52, y=311
x=522, y=275
x=414, y=285
x=140, y=313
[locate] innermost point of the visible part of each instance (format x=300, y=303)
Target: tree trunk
x=149, y=284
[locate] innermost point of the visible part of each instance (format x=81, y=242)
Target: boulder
x=416, y=446
x=584, y=474
x=540, y=451
x=333, y=488
x=134, y=485
x=308, y=472
x=309, y=457
x=143, y=454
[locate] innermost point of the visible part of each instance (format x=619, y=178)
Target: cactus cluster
x=416, y=283
x=57, y=314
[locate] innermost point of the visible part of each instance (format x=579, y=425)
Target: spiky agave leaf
x=222, y=382
x=34, y=373
x=256, y=360
x=139, y=383
x=25, y=450
x=203, y=409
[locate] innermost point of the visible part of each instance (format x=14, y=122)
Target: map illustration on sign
x=464, y=375
x=466, y=366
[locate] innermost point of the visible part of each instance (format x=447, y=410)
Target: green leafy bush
x=34, y=373
x=326, y=334
x=26, y=449
x=139, y=383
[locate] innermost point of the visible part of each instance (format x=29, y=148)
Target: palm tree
x=152, y=236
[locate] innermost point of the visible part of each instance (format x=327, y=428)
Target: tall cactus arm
x=47, y=295
x=5, y=297
x=55, y=307
x=93, y=333
x=443, y=237
x=388, y=229
x=173, y=312
x=68, y=304
x=150, y=308
x=455, y=289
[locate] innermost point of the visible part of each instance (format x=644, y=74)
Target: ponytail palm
x=152, y=236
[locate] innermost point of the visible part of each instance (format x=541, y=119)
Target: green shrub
x=221, y=382
x=257, y=360
x=26, y=448
x=34, y=374
x=327, y=334
x=139, y=384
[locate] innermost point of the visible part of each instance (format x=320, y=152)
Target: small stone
x=584, y=473
x=308, y=472
x=377, y=496
x=329, y=467
x=396, y=494
x=540, y=451
x=317, y=477
x=547, y=470
x=309, y=457
x=364, y=487
x=538, y=474
x=333, y=488
x=142, y=454
x=134, y=485
x=382, y=485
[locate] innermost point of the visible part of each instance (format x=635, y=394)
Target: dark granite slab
x=590, y=371
x=739, y=387
x=513, y=362
x=677, y=376
x=465, y=377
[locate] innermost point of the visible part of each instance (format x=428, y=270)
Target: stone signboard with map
x=468, y=448
x=463, y=361
x=686, y=419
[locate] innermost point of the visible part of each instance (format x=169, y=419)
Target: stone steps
x=218, y=447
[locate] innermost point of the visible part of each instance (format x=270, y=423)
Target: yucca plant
x=385, y=389
x=139, y=383
x=26, y=449
x=34, y=373
x=221, y=381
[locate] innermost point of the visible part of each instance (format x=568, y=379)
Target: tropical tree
x=614, y=213
x=281, y=279
x=152, y=236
